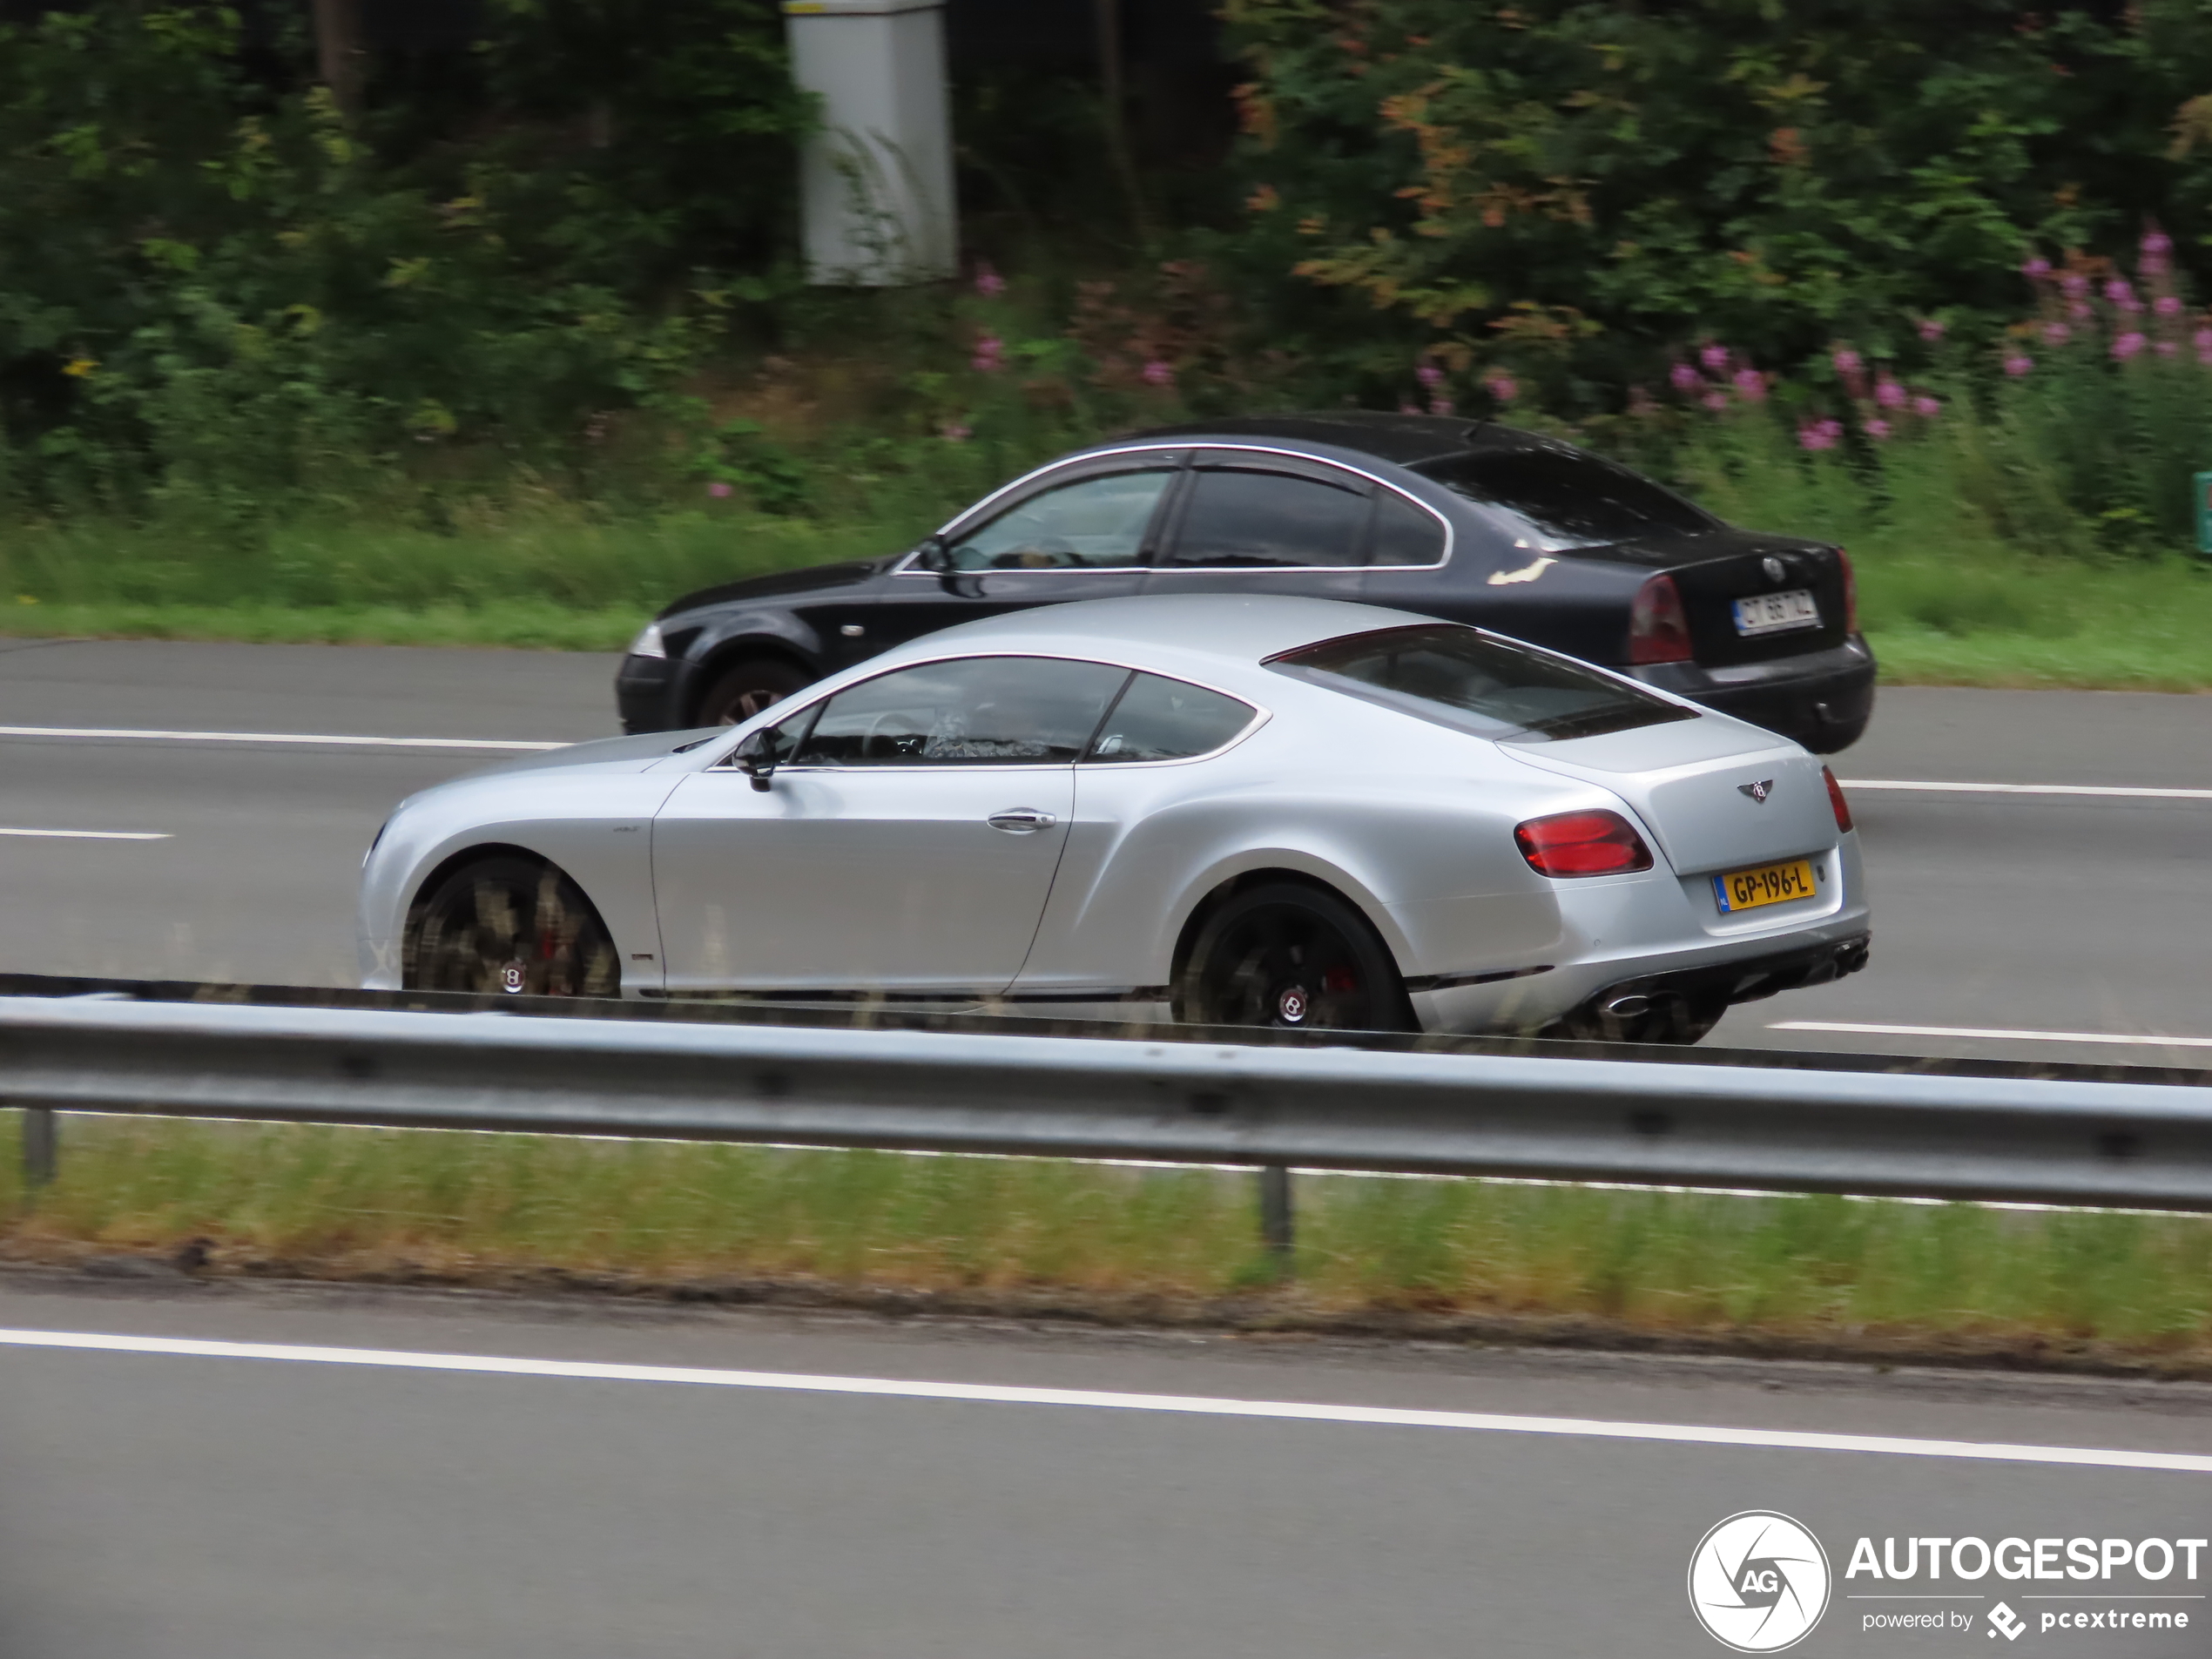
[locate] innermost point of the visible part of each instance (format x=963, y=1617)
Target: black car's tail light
x=1592, y=843
x=1836, y=804
x=1851, y=592
x=1658, y=631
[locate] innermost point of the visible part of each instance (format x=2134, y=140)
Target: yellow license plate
x=1769, y=884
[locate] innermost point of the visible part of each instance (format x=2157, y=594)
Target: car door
x=906, y=844
x=1082, y=531
x=1253, y=520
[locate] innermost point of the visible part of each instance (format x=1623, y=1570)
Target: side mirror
x=933, y=555
x=756, y=758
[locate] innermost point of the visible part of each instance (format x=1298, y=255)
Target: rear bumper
x=1822, y=699
x=1724, y=984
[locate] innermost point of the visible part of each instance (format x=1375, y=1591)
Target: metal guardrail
x=1867, y=1129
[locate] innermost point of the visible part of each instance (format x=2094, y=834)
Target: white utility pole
x=876, y=179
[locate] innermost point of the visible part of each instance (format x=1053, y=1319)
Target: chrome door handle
x=1021, y=821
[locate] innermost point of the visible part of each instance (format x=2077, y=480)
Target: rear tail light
x=1836, y=804
x=1851, y=592
x=1658, y=631
x=1582, y=844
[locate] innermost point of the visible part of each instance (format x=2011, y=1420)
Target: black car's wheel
x=1294, y=957
x=509, y=925
x=747, y=687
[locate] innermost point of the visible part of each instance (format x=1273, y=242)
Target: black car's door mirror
x=933, y=555
x=756, y=756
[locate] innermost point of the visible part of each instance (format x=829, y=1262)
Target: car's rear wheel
x=747, y=687
x=1292, y=957
x=509, y=925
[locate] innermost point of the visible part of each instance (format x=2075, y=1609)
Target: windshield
x=1553, y=499
x=1477, y=682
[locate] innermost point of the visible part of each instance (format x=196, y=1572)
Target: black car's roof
x=1407, y=440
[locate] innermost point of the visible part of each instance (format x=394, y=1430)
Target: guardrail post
x=41, y=1147
x=1276, y=1225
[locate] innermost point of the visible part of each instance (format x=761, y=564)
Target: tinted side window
x=1268, y=520
x=1164, y=719
x=1403, y=534
x=1552, y=499
x=1093, y=523
x=980, y=711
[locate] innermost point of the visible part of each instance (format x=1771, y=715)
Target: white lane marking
x=92, y=835
x=1992, y=1034
x=1185, y=1405
x=2109, y=791
x=270, y=737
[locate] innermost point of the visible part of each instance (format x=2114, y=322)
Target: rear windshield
x=1478, y=683
x=1556, y=500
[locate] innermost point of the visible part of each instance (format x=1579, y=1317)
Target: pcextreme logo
x=1758, y=1582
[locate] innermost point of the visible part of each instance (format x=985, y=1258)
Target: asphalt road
x=204, y=1506
x=2048, y=914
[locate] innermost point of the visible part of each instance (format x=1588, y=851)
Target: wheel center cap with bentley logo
x=1291, y=1005
x=1759, y=791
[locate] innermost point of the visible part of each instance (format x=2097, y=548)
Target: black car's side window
x=1403, y=534
x=1246, y=518
x=1159, y=718
x=1094, y=524
x=976, y=710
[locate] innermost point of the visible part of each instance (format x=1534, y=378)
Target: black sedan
x=1465, y=520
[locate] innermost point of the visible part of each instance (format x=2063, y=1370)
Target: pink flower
x=2018, y=364
x=2075, y=285
x=2079, y=310
x=2166, y=348
x=1931, y=329
x=1846, y=361
x=1714, y=401
x=1878, y=430
x=1158, y=373
x=1751, y=385
x=1889, y=393
x=1715, y=358
x=2118, y=292
x=1429, y=376
x=954, y=432
x=2035, y=267
x=1502, y=387
x=720, y=491
x=2057, y=332
x=2157, y=244
x=1926, y=407
x=1820, y=434
x=1683, y=378
x=2128, y=344
x=989, y=283
x=988, y=358
x=1441, y=406
x=2169, y=304
x=2202, y=340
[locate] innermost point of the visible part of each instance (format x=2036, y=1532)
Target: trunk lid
x=1713, y=571
x=1695, y=786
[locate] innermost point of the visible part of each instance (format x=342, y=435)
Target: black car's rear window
x=1556, y=499
x=1478, y=683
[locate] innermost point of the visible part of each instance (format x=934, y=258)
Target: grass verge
x=1489, y=1260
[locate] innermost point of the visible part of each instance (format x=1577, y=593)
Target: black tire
x=1293, y=957
x=510, y=925
x=748, y=686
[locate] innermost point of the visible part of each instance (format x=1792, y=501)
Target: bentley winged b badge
x=1759, y=791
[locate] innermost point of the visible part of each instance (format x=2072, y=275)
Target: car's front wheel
x=508, y=925
x=744, y=688
x=1292, y=957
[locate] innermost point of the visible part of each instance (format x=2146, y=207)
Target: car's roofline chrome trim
x=1261, y=713
x=906, y=565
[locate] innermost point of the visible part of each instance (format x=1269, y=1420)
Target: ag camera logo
x=1758, y=1582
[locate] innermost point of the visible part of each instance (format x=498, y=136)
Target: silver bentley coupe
x=1225, y=810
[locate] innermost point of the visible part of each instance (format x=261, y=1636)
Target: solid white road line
x=1184, y=1405
x=270, y=737
x=1990, y=1035
x=2109, y=791
x=92, y=835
